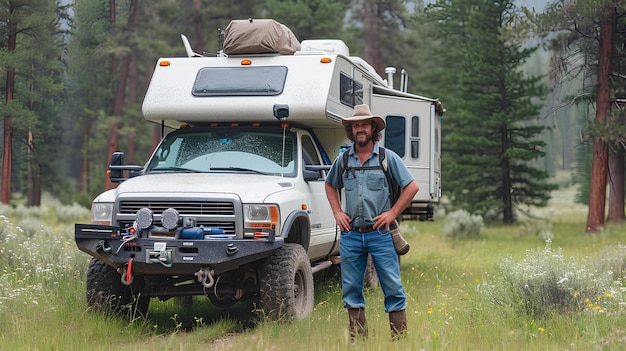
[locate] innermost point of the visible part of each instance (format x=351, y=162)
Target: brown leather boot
x=397, y=322
x=358, y=323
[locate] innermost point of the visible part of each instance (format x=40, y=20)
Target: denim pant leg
x=353, y=262
x=387, y=264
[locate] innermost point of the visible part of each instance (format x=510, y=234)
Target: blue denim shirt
x=367, y=191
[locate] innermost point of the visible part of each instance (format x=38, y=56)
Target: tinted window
x=351, y=91
x=240, y=81
x=308, y=151
x=415, y=137
x=395, y=134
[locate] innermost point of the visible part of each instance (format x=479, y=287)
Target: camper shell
x=231, y=204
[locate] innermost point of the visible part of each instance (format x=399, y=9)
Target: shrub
x=546, y=281
x=540, y=228
x=461, y=224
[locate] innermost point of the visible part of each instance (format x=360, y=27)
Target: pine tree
x=491, y=137
x=32, y=56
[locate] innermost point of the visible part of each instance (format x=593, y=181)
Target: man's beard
x=360, y=142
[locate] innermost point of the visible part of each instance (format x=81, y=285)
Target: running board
x=320, y=266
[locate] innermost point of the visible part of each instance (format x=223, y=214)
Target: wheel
x=106, y=292
x=287, y=283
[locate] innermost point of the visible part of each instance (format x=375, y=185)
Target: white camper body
x=319, y=84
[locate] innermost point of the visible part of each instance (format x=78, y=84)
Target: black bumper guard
x=168, y=256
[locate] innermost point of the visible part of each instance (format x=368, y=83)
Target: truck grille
x=203, y=211
x=190, y=208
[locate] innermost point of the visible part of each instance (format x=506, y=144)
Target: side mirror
x=116, y=174
x=117, y=168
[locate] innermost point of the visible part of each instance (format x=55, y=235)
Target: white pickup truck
x=231, y=204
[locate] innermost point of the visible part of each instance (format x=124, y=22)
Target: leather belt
x=364, y=229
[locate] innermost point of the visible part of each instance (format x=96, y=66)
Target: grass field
x=454, y=286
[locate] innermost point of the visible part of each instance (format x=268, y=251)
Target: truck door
x=323, y=234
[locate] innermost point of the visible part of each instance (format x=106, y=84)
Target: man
x=365, y=224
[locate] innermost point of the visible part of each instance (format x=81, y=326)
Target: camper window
x=395, y=135
x=415, y=137
x=350, y=91
x=240, y=81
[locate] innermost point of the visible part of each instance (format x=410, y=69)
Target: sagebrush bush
x=546, y=281
x=461, y=224
x=540, y=228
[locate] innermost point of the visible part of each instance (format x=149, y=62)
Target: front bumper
x=167, y=256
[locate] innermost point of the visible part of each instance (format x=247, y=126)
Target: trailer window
x=395, y=134
x=415, y=137
x=240, y=81
x=351, y=91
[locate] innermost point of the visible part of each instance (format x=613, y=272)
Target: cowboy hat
x=362, y=112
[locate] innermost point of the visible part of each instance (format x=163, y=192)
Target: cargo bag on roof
x=259, y=36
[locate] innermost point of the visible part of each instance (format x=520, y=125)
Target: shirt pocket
x=350, y=183
x=375, y=181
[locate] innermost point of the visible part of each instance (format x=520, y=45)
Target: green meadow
x=542, y=284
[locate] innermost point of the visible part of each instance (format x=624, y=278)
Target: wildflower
x=541, y=330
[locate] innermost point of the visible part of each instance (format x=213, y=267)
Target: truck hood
x=249, y=187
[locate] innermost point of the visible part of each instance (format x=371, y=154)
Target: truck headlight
x=260, y=219
x=102, y=213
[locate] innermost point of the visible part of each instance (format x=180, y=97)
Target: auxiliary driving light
x=170, y=218
x=144, y=218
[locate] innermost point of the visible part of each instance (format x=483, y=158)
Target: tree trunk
x=121, y=95
x=33, y=197
x=372, y=25
x=113, y=142
x=7, y=156
x=599, y=165
x=616, y=188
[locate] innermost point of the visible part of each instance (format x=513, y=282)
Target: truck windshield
x=237, y=150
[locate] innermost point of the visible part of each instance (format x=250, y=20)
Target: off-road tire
x=106, y=292
x=287, y=283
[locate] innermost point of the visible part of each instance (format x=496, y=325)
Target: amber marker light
x=304, y=207
x=326, y=60
x=246, y=62
x=274, y=213
x=164, y=63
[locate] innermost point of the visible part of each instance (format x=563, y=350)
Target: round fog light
x=170, y=219
x=144, y=218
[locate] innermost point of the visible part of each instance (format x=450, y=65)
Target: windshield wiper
x=177, y=169
x=237, y=169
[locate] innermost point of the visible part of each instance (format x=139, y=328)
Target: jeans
x=354, y=248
